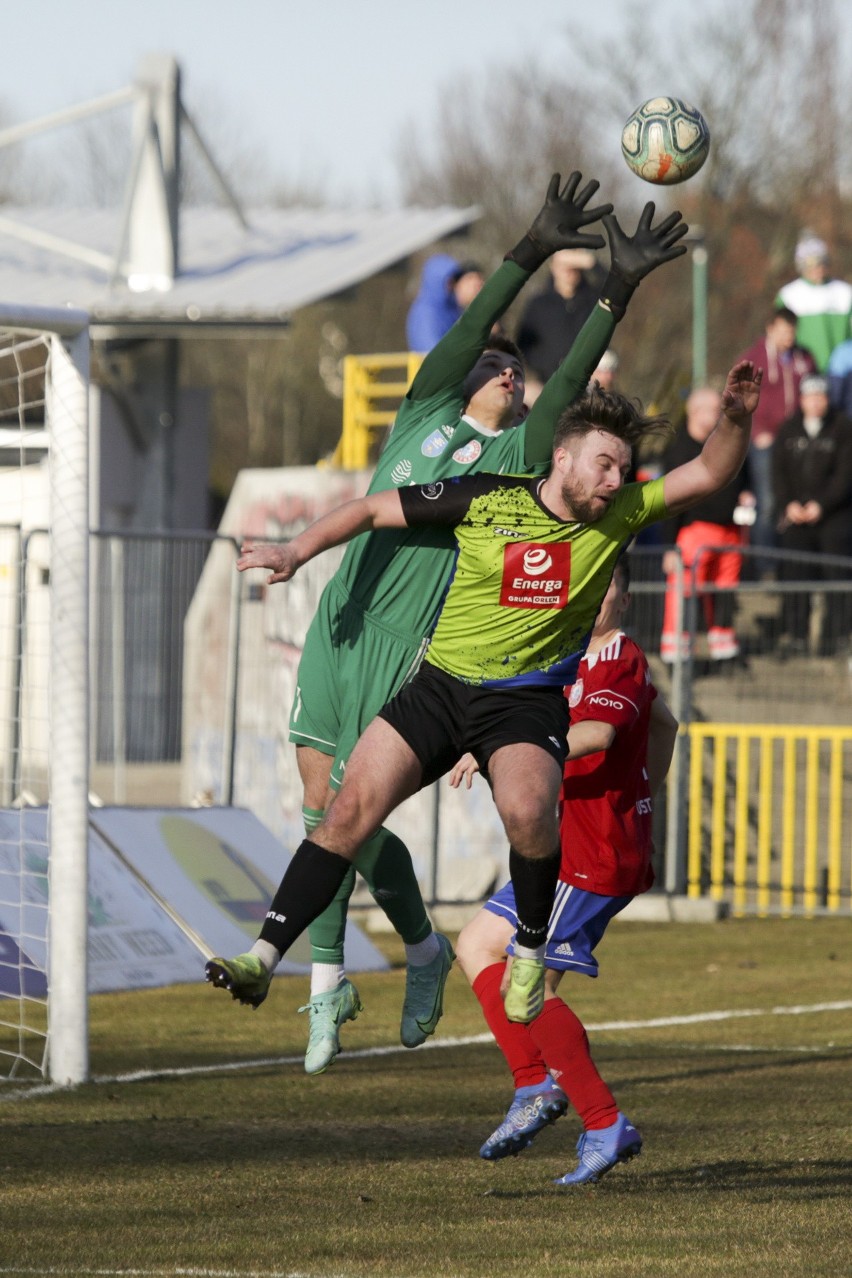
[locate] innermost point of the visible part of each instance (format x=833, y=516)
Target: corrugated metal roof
x=287, y=259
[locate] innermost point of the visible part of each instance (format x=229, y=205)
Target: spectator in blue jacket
x=840, y=378
x=446, y=289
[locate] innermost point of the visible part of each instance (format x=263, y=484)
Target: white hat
x=811, y=248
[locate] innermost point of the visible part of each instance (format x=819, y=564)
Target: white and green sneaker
x=327, y=1013
x=244, y=977
x=424, y=995
x=525, y=994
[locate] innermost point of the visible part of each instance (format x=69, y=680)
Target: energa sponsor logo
x=535, y=576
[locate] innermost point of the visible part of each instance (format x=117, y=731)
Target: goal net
x=44, y=694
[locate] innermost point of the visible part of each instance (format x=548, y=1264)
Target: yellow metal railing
x=768, y=807
x=373, y=388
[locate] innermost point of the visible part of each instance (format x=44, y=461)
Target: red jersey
x=605, y=818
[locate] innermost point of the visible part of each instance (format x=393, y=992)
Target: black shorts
x=440, y=718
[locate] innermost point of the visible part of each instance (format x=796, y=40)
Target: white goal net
x=44, y=694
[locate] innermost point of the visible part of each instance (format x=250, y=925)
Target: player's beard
x=585, y=508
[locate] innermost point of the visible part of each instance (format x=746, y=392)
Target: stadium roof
x=159, y=266
x=230, y=274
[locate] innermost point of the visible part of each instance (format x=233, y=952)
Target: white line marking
x=166, y=1273
x=657, y=1022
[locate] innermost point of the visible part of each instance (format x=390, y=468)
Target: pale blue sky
x=321, y=89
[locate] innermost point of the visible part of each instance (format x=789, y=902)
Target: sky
x=322, y=90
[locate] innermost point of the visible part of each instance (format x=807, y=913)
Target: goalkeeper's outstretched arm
x=559, y=224
x=632, y=257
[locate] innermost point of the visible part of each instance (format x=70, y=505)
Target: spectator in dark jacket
x=553, y=318
x=812, y=473
x=707, y=538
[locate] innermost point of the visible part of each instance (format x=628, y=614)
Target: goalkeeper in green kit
x=374, y=618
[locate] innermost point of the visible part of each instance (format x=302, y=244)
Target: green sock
x=327, y=932
x=385, y=863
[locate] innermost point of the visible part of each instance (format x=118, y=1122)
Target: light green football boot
x=245, y=978
x=327, y=1013
x=525, y=994
x=424, y=995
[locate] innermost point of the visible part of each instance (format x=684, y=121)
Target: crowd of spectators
x=795, y=493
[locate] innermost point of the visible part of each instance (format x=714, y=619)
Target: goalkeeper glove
x=632, y=257
x=557, y=225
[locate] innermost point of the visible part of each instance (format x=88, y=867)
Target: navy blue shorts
x=577, y=922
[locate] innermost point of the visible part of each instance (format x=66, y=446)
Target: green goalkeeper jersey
x=399, y=575
x=527, y=585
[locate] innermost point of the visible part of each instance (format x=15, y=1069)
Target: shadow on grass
x=810, y=1179
x=728, y=1066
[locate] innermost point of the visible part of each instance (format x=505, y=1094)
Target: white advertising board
x=167, y=888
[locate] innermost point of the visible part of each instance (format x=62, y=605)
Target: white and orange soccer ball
x=666, y=140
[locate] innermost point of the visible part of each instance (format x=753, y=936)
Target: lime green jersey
x=527, y=585
x=399, y=576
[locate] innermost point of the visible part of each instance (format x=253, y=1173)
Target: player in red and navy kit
x=620, y=745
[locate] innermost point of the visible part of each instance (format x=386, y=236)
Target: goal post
x=44, y=360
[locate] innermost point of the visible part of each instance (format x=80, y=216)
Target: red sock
x=560, y=1037
x=514, y=1040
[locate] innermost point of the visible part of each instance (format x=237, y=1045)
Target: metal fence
x=759, y=802
x=195, y=668
x=143, y=588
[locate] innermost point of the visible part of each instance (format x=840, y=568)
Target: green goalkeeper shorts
x=351, y=666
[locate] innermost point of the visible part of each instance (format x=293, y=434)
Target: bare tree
x=767, y=74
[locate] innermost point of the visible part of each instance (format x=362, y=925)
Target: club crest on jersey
x=434, y=444
x=576, y=694
x=535, y=576
x=467, y=453
x=401, y=472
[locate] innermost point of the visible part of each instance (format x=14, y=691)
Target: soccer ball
x=665, y=140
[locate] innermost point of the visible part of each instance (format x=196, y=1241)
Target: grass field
x=203, y=1149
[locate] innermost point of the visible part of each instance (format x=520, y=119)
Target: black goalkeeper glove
x=557, y=225
x=635, y=256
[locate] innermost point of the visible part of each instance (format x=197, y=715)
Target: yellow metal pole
x=741, y=818
x=696, y=764
x=811, y=824
x=764, y=823
x=350, y=365
x=361, y=438
x=788, y=836
x=835, y=824
x=717, y=820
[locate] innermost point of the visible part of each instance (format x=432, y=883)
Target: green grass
x=372, y=1168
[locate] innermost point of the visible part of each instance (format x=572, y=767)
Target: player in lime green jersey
x=507, y=709
x=368, y=634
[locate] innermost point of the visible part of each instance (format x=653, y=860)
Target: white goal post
x=44, y=373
